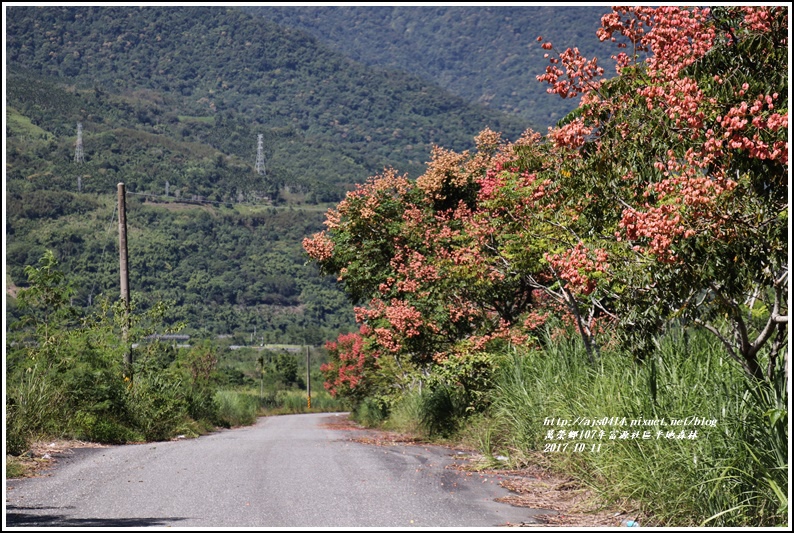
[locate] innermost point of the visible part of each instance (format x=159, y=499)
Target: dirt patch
x=537, y=488
x=367, y=435
x=376, y=437
x=394, y=439
x=340, y=422
x=43, y=455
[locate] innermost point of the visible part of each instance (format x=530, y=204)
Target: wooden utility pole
x=125, y=277
x=308, y=379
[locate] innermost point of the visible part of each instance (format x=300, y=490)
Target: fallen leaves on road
x=568, y=503
x=43, y=454
x=538, y=488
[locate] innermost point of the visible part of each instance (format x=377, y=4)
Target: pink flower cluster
x=658, y=224
x=404, y=318
x=736, y=123
x=580, y=73
x=319, y=247
x=757, y=18
x=348, y=358
x=577, y=265
x=572, y=135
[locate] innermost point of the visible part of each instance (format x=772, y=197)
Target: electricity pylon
x=78, y=151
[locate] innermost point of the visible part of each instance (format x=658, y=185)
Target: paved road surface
x=285, y=471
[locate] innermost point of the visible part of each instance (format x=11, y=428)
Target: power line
x=104, y=248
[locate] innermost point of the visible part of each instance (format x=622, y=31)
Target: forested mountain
x=486, y=54
x=171, y=101
x=324, y=117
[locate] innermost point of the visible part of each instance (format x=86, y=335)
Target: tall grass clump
x=295, y=401
x=33, y=406
x=236, y=408
x=431, y=412
x=729, y=469
x=406, y=414
x=371, y=412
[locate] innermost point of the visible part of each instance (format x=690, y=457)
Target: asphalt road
x=285, y=471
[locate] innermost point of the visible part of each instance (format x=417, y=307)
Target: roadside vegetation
x=729, y=466
x=609, y=299
x=67, y=380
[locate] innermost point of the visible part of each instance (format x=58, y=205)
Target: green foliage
x=482, y=53
x=224, y=270
x=32, y=406
x=88, y=426
x=236, y=408
x=733, y=473
x=286, y=366
x=182, y=90
x=370, y=412
x=465, y=380
x=442, y=410
x=157, y=405
x=276, y=401
x=66, y=375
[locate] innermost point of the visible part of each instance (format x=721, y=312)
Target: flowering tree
x=662, y=197
x=685, y=155
x=414, y=257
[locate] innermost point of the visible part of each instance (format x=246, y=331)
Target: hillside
x=325, y=119
x=171, y=102
x=484, y=54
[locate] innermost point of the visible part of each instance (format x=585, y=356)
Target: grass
x=292, y=401
x=236, y=408
x=15, y=467
x=20, y=126
x=202, y=120
x=730, y=469
x=731, y=474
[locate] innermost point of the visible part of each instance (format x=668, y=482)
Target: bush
x=157, y=406
x=442, y=410
x=236, y=408
x=98, y=428
x=370, y=412
x=202, y=403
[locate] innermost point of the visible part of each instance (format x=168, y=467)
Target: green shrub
x=157, y=406
x=442, y=410
x=371, y=412
x=99, y=428
x=236, y=408
x=201, y=403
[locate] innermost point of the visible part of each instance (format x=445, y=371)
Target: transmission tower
x=78, y=151
x=260, y=156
